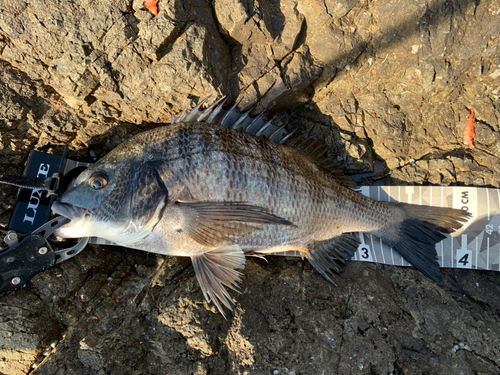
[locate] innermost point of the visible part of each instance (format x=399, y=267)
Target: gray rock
x=381, y=81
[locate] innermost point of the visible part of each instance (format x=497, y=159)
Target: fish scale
x=265, y=178
x=217, y=185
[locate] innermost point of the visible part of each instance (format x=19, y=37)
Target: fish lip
x=70, y=211
x=76, y=227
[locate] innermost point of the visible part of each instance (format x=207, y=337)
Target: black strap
x=50, y=184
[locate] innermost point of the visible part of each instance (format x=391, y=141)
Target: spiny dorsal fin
x=259, y=127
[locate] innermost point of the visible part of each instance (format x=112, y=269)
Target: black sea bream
x=218, y=185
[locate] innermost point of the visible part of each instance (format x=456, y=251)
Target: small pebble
x=276, y=372
x=461, y=344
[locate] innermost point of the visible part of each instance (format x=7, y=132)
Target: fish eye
x=98, y=180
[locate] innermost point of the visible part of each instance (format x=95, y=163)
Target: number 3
x=365, y=254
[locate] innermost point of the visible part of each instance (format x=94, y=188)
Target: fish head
x=119, y=198
x=97, y=198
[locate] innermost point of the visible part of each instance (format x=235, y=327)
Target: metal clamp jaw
x=33, y=254
x=45, y=176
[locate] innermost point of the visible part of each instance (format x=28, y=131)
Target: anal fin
x=329, y=257
x=216, y=270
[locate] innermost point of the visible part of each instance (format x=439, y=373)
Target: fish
x=218, y=185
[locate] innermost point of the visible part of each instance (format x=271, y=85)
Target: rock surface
x=387, y=80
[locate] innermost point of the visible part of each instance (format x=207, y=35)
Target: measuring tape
x=475, y=246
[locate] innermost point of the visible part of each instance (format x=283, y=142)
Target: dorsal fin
x=232, y=118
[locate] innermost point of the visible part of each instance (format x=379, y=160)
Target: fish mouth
x=69, y=211
x=76, y=216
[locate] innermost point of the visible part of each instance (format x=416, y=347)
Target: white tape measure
x=476, y=245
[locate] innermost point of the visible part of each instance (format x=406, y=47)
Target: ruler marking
x=487, y=253
x=392, y=250
x=373, y=248
x=409, y=192
x=361, y=243
x=452, y=257
x=497, y=213
x=381, y=244
x=488, y=202
x=442, y=242
x=477, y=251
x=498, y=205
x=442, y=254
x=371, y=236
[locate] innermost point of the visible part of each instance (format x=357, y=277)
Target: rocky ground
x=386, y=80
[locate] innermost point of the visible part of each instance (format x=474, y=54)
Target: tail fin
x=415, y=237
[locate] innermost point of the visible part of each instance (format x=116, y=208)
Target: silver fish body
x=204, y=190
x=206, y=162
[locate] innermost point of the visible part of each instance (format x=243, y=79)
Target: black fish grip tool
x=29, y=251
x=23, y=259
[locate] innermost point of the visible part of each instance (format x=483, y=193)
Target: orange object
x=469, y=132
x=151, y=6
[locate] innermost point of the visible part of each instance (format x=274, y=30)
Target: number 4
x=464, y=259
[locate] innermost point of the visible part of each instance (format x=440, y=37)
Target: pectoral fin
x=216, y=223
x=217, y=269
